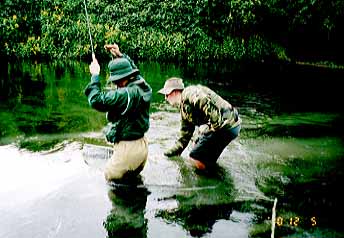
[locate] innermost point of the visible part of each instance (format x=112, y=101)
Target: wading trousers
x=129, y=157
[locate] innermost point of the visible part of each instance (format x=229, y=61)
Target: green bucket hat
x=121, y=68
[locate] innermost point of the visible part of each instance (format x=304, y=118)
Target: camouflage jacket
x=200, y=105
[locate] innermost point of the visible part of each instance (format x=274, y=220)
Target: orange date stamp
x=296, y=221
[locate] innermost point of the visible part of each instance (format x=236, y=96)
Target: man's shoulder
x=195, y=91
x=192, y=89
x=197, y=87
x=140, y=89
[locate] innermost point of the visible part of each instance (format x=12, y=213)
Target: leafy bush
x=171, y=30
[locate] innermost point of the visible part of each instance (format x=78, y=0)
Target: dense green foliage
x=174, y=30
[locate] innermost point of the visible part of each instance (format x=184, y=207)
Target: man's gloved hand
x=171, y=153
x=174, y=151
x=113, y=49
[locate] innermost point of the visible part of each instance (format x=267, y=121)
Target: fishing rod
x=89, y=27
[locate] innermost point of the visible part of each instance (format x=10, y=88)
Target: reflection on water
x=48, y=99
x=52, y=155
x=50, y=194
x=199, y=209
x=127, y=217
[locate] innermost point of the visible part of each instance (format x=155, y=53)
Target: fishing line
x=89, y=28
x=112, y=184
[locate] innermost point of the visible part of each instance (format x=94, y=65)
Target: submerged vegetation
x=187, y=30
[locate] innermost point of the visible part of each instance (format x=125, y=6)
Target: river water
x=53, y=153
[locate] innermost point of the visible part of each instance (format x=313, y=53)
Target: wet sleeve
x=113, y=100
x=186, y=133
x=95, y=78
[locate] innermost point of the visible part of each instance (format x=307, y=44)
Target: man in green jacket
x=127, y=111
x=200, y=106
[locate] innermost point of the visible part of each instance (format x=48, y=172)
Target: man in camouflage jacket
x=127, y=111
x=200, y=106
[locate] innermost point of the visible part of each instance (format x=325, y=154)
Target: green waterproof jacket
x=127, y=109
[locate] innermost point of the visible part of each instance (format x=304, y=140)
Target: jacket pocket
x=111, y=132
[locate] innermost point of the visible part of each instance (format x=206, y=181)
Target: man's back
x=201, y=105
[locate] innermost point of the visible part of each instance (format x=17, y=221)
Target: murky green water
x=52, y=155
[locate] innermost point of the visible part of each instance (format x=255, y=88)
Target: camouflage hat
x=172, y=84
x=120, y=68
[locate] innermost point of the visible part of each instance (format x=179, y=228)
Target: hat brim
x=165, y=91
x=115, y=78
x=169, y=90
